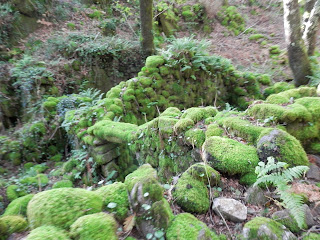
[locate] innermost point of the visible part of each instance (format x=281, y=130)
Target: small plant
x=277, y=174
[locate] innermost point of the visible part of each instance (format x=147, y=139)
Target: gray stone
x=314, y=172
x=230, y=209
x=108, y=169
x=255, y=195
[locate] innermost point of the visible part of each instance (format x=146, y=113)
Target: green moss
x=115, y=193
x=198, y=114
x=191, y=195
x=256, y=223
x=312, y=104
x=171, y=112
x=3, y=230
x=13, y=192
x=255, y=37
x=315, y=147
x=164, y=71
x=61, y=207
x=248, y=179
x=56, y=158
x=214, y=130
x=40, y=168
x=116, y=132
x=230, y=156
x=277, y=88
x=15, y=223
x=274, y=50
x=69, y=165
x=161, y=214
x=63, y=184
x=183, y=125
x=40, y=179
x=166, y=124
x=142, y=172
x=287, y=148
x=28, y=165
x=204, y=173
x=311, y=236
x=18, y=206
x=195, y=137
x=289, y=222
x=187, y=227
x=48, y=233
x=95, y=227
x=154, y=61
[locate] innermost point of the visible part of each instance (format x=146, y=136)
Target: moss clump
x=288, y=221
x=183, y=124
x=204, y=173
x=3, y=230
x=195, y=137
x=14, y=192
x=15, y=223
x=214, y=130
x=141, y=173
x=191, y=195
x=256, y=37
x=61, y=207
x=311, y=236
x=18, y=206
x=95, y=227
x=48, y=233
x=282, y=146
x=40, y=179
x=161, y=213
x=166, y=124
x=63, y=184
x=28, y=165
x=154, y=61
x=231, y=18
x=198, y=114
x=252, y=227
x=171, y=112
x=248, y=179
x=115, y=193
x=277, y=88
x=229, y=156
x=187, y=227
x=116, y=132
x=315, y=147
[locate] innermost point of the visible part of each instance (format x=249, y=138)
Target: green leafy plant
x=279, y=175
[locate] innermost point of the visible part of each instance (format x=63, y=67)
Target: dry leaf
x=311, y=191
x=129, y=223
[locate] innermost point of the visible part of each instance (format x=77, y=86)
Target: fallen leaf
x=129, y=223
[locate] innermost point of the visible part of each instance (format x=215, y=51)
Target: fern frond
x=295, y=172
x=294, y=203
x=274, y=179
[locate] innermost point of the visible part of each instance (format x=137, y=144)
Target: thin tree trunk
x=311, y=27
x=308, y=6
x=298, y=58
x=146, y=20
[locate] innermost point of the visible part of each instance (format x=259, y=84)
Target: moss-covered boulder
x=3, y=230
x=204, y=173
x=48, y=233
x=265, y=228
x=94, y=226
x=14, y=191
x=18, y=206
x=311, y=236
x=191, y=194
x=187, y=227
x=116, y=199
x=61, y=207
x=63, y=184
x=282, y=146
x=230, y=156
x=14, y=223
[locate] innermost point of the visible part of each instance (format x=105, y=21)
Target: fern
x=277, y=174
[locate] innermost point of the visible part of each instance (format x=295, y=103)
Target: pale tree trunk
x=146, y=21
x=311, y=27
x=297, y=54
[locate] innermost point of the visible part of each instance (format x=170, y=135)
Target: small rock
x=230, y=209
x=255, y=195
x=314, y=172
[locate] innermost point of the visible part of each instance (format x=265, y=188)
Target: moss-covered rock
x=61, y=207
x=282, y=146
x=204, y=173
x=229, y=156
x=311, y=236
x=63, y=184
x=14, y=192
x=94, y=226
x=186, y=227
x=265, y=228
x=191, y=194
x=3, y=230
x=39, y=179
x=141, y=173
x=116, y=200
x=48, y=233
x=18, y=206
x=15, y=223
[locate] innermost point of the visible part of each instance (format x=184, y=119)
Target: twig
x=224, y=220
x=125, y=16
x=163, y=11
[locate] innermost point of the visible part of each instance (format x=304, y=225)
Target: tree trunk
x=298, y=58
x=311, y=28
x=146, y=20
